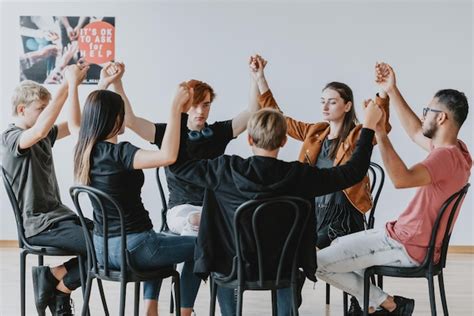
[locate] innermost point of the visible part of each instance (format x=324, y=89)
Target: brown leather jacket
x=313, y=134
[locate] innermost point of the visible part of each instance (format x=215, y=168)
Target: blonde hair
x=267, y=128
x=28, y=92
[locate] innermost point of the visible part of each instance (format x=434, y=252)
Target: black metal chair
x=39, y=250
x=429, y=268
x=377, y=180
x=276, y=249
x=127, y=272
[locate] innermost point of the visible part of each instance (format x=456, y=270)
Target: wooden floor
x=459, y=281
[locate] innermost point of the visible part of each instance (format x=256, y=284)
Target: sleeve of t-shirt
x=125, y=153
x=223, y=131
x=160, y=129
x=53, y=135
x=440, y=164
x=11, y=139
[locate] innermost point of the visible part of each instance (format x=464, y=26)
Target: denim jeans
x=227, y=298
x=342, y=264
x=150, y=250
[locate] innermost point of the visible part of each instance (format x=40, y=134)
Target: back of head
x=103, y=117
x=267, y=128
x=200, y=90
x=28, y=92
x=455, y=102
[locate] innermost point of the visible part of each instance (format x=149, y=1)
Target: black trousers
x=66, y=234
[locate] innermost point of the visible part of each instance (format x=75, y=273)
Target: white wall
x=307, y=45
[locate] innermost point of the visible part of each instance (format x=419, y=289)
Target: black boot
x=63, y=304
x=44, y=284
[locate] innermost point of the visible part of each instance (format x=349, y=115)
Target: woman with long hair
x=327, y=144
x=114, y=167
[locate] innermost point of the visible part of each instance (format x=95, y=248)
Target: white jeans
x=342, y=264
x=179, y=219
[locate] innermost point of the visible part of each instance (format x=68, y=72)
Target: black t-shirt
x=181, y=192
x=112, y=172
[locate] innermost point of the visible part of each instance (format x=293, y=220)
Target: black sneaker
x=405, y=306
x=354, y=308
x=44, y=284
x=64, y=305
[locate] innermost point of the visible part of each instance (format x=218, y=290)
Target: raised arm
x=112, y=74
x=327, y=180
x=399, y=173
x=385, y=78
x=296, y=129
x=169, y=148
x=74, y=75
x=46, y=119
x=239, y=123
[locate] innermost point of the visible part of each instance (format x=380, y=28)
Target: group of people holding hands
x=331, y=172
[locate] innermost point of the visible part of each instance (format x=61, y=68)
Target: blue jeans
x=151, y=250
x=227, y=298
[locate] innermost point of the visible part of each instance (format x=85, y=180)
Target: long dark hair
x=350, y=118
x=102, y=118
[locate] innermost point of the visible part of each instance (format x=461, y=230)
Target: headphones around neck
x=206, y=132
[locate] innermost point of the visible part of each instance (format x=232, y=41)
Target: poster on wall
x=50, y=43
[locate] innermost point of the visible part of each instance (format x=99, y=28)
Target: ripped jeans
x=342, y=264
x=184, y=219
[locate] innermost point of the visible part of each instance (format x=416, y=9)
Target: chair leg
x=177, y=294
x=432, y=295
x=380, y=281
x=136, y=305
x=240, y=294
x=443, y=293
x=274, y=303
x=212, y=309
x=171, y=302
x=82, y=277
x=366, y=294
x=40, y=260
x=345, y=298
x=23, y=254
x=87, y=294
x=294, y=299
x=102, y=297
x=123, y=294
x=328, y=294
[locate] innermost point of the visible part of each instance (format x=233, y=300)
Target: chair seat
x=253, y=285
x=48, y=250
x=137, y=276
x=403, y=272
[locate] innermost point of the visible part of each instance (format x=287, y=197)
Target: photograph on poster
x=50, y=43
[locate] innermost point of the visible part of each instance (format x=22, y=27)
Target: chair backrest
x=267, y=236
x=98, y=198
x=16, y=209
x=449, y=209
x=377, y=180
x=164, y=209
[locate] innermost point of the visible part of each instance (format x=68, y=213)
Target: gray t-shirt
x=31, y=173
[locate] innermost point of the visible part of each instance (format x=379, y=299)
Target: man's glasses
x=425, y=111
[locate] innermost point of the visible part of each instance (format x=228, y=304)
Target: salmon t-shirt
x=449, y=168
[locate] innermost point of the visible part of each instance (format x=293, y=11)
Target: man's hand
x=373, y=114
x=111, y=73
x=183, y=97
x=75, y=74
x=257, y=64
x=385, y=77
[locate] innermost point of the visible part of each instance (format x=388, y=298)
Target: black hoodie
x=232, y=180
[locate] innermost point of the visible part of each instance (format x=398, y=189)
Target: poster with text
x=50, y=43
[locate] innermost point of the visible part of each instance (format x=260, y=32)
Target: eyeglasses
x=425, y=111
